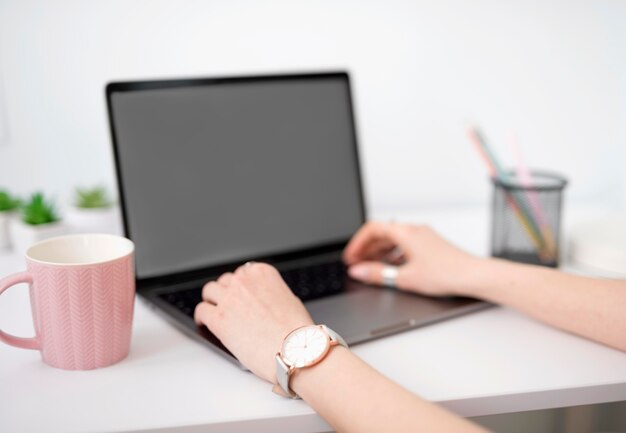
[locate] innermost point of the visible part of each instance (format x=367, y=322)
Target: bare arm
x=252, y=310
x=590, y=307
x=353, y=397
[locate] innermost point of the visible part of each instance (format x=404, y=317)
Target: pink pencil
x=525, y=178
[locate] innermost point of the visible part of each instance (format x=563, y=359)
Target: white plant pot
x=24, y=235
x=5, y=219
x=94, y=220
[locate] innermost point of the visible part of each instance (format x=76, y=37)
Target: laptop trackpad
x=368, y=313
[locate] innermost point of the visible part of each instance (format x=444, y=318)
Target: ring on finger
x=389, y=275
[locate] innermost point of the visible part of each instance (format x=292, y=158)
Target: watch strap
x=282, y=377
x=335, y=337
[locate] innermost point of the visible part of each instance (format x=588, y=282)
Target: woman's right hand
x=431, y=265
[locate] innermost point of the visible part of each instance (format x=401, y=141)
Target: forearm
x=590, y=307
x=353, y=397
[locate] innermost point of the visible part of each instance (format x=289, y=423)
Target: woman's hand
x=431, y=264
x=251, y=311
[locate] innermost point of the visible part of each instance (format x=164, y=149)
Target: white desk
x=489, y=362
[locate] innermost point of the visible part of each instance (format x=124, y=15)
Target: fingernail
x=358, y=272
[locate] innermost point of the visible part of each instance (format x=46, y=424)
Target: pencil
x=525, y=177
x=518, y=206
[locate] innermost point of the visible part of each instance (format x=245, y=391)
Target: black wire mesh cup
x=526, y=218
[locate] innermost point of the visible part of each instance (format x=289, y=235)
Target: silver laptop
x=216, y=172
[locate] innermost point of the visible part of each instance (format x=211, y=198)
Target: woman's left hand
x=251, y=311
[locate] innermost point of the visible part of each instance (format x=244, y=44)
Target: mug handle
x=24, y=343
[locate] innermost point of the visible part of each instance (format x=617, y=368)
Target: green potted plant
x=93, y=198
x=38, y=220
x=93, y=211
x=8, y=209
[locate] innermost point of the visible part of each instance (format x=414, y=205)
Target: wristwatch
x=303, y=347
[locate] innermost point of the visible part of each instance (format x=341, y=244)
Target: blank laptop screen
x=219, y=171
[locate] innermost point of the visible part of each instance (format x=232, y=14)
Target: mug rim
x=130, y=244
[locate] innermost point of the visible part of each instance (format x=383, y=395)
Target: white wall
x=554, y=71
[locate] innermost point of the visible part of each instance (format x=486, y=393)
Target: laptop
x=216, y=172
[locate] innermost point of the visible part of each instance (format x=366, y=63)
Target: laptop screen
x=218, y=171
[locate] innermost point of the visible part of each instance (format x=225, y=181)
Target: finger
x=225, y=278
x=377, y=250
x=372, y=233
x=205, y=314
x=366, y=239
x=244, y=268
x=372, y=273
x=212, y=292
x=260, y=270
x=395, y=257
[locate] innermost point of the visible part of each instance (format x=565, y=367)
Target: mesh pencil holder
x=526, y=218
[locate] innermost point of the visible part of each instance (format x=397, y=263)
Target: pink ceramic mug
x=82, y=292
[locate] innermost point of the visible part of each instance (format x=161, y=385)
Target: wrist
x=496, y=280
x=470, y=277
x=304, y=380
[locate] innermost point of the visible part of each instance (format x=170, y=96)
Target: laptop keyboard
x=307, y=283
x=316, y=281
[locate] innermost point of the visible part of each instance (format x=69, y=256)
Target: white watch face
x=304, y=346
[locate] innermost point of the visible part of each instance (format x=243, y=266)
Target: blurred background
x=552, y=72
